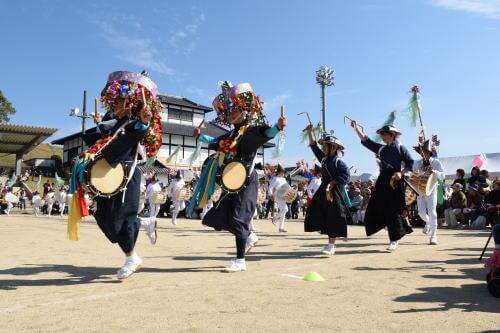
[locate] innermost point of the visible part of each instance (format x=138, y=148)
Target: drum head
x=431, y=183
x=105, y=180
x=282, y=190
x=234, y=176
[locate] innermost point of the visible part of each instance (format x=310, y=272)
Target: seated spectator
x=486, y=176
x=475, y=211
x=360, y=214
x=457, y=202
x=460, y=178
x=492, y=203
x=475, y=177
x=356, y=200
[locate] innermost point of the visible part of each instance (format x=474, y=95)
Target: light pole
x=324, y=77
x=75, y=112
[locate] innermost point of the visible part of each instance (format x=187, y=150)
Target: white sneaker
x=174, y=221
x=237, y=265
x=433, y=241
x=251, y=241
x=328, y=249
x=282, y=230
x=132, y=264
x=392, y=246
x=426, y=229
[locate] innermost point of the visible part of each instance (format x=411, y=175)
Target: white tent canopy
x=491, y=162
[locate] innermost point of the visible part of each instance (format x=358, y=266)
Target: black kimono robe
x=330, y=218
x=118, y=220
x=386, y=204
x=233, y=212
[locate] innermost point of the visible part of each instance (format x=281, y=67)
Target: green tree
x=6, y=109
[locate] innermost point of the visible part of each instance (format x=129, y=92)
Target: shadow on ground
x=76, y=275
x=468, y=297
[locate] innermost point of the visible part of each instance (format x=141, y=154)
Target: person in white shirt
x=35, y=202
x=427, y=203
x=174, y=188
x=153, y=189
x=49, y=201
x=315, y=183
x=278, y=181
x=61, y=197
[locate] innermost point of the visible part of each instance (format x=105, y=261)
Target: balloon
x=478, y=161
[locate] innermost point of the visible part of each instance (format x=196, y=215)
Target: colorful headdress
x=129, y=84
x=239, y=97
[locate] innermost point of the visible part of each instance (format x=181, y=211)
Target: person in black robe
x=329, y=213
x=387, y=202
x=117, y=216
x=234, y=211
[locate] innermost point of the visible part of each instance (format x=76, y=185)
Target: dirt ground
x=51, y=284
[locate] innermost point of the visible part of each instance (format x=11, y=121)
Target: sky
x=53, y=50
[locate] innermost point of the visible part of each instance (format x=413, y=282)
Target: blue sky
x=53, y=50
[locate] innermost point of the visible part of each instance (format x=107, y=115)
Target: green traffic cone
x=313, y=277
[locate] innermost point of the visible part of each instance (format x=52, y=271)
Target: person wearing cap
x=176, y=185
x=137, y=122
x=240, y=109
x=276, y=183
x=328, y=212
x=314, y=184
x=456, y=204
x=387, y=202
x=426, y=204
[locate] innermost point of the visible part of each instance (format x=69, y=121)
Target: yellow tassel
x=74, y=218
x=204, y=199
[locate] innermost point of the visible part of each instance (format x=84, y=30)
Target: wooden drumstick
x=201, y=124
x=143, y=96
x=282, y=111
x=96, y=111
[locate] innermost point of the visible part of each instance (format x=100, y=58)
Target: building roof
x=158, y=167
x=21, y=139
x=182, y=101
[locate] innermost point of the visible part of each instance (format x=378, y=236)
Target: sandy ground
x=51, y=284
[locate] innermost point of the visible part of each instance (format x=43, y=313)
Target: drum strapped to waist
x=159, y=198
x=232, y=176
x=181, y=194
x=101, y=179
x=424, y=183
x=286, y=193
x=11, y=197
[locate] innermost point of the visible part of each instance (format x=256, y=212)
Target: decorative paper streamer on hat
x=173, y=157
x=280, y=140
x=239, y=97
x=389, y=121
x=136, y=87
x=316, y=130
x=59, y=181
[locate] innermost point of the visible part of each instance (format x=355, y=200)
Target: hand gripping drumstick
x=346, y=117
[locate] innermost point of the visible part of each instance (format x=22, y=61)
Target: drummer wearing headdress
x=328, y=211
x=427, y=202
x=239, y=107
x=130, y=130
x=387, y=201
